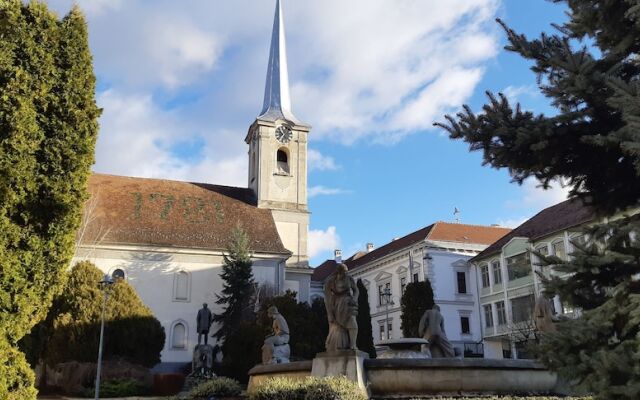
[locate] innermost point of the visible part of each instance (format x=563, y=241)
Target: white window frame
x=171, y=342
x=175, y=287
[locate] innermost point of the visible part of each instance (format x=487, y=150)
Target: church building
x=167, y=238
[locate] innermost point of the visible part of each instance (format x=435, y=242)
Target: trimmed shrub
x=216, y=387
x=331, y=388
x=119, y=388
x=416, y=299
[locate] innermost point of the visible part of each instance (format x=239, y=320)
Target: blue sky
x=180, y=82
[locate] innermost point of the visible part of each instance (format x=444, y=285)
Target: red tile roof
x=322, y=271
x=141, y=211
x=439, y=231
x=565, y=215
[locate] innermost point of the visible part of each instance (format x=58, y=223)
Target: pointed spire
x=277, y=100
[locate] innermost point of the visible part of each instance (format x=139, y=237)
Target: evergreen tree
x=131, y=330
x=238, y=285
x=589, y=70
x=48, y=126
x=365, y=332
x=416, y=299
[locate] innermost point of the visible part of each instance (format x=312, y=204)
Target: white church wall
x=158, y=277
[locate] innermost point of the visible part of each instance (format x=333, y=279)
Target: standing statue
x=276, y=348
x=203, y=323
x=543, y=315
x=341, y=301
x=432, y=328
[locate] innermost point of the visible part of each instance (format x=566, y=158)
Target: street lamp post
x=104, y=284
x=387, y=302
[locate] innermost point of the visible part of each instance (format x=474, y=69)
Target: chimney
x=370, y=247
x=337, y=255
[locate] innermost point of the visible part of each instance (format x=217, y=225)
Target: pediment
x=383, y=276
x=460, y=263
x=401, y=269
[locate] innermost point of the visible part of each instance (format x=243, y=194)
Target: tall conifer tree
x=590, y=71
x=416, y=299
x=365, y=332
x=238, y=286
x=48, y=127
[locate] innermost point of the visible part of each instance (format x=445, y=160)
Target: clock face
x=283, y=134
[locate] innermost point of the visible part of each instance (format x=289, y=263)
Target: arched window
x=181, y=286
x=179, y=336
x=283, y=161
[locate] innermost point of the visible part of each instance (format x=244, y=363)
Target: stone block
x=348, y=363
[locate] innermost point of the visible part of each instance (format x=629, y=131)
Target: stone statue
x=543, y=315
x=432, y=328
x=341, y=301
x=203, y=323
x=276, y=348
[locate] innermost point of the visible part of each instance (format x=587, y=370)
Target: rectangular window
x=464, y=325
x=382, y=290
x=522, y=308
x=462, y=282
x=559, y=250
x=403, y=283
x=485, y=276
x=390, y=330
x=518, y=266
x=497, y=272
x=488, y=316
x=381, y=331
x=502, y=313
x=415, y=277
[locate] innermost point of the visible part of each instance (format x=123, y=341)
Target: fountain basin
x=405, y=348
x=406, y=377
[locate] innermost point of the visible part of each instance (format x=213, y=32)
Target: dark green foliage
x=308, y=325
x=119, y=388
x=242, y=351
x=48, y=127
x=238, y=287
x=365, y=332
x=312, y=388
x=131, y=330
x=416, y=299
x=216, y=387
x=590, y=72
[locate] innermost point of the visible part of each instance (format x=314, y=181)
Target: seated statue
x=432, y=329
x=276, y=348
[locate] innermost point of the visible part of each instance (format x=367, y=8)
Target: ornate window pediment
x=382, y=276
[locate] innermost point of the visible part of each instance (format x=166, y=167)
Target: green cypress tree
x=416, y=299
x=48, y=127
x=238, y=286
x=365, y=332
x=589, y=70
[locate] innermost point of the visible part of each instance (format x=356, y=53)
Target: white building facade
x=439, y=253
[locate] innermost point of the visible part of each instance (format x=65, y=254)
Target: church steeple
x=277, y=99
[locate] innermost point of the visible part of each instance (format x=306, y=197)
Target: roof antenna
x=456, y=214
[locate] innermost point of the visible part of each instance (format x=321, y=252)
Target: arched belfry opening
x=282, y=159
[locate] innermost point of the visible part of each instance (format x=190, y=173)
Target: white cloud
x=515, y=93
x=323, y=241
x=535, y=196
x=323, y=191
x=320, y=162
x=512, y=222
x=137, y=137
x=374, y=70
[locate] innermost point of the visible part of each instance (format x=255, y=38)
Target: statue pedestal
x=349, y=363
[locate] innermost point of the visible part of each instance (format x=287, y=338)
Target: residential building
x=438, y=252
x=507, y=275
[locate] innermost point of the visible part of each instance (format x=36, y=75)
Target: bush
x=131, y=330
x=331, y=388
x=242, y=351
x=216, y=387
x=416, y=299
x=119, y=388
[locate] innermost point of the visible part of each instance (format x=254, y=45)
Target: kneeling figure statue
x=276, y=348
x=432, y=328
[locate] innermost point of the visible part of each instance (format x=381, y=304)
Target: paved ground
x=112, y=398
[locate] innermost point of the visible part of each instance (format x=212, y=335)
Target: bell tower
x=278, y=153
